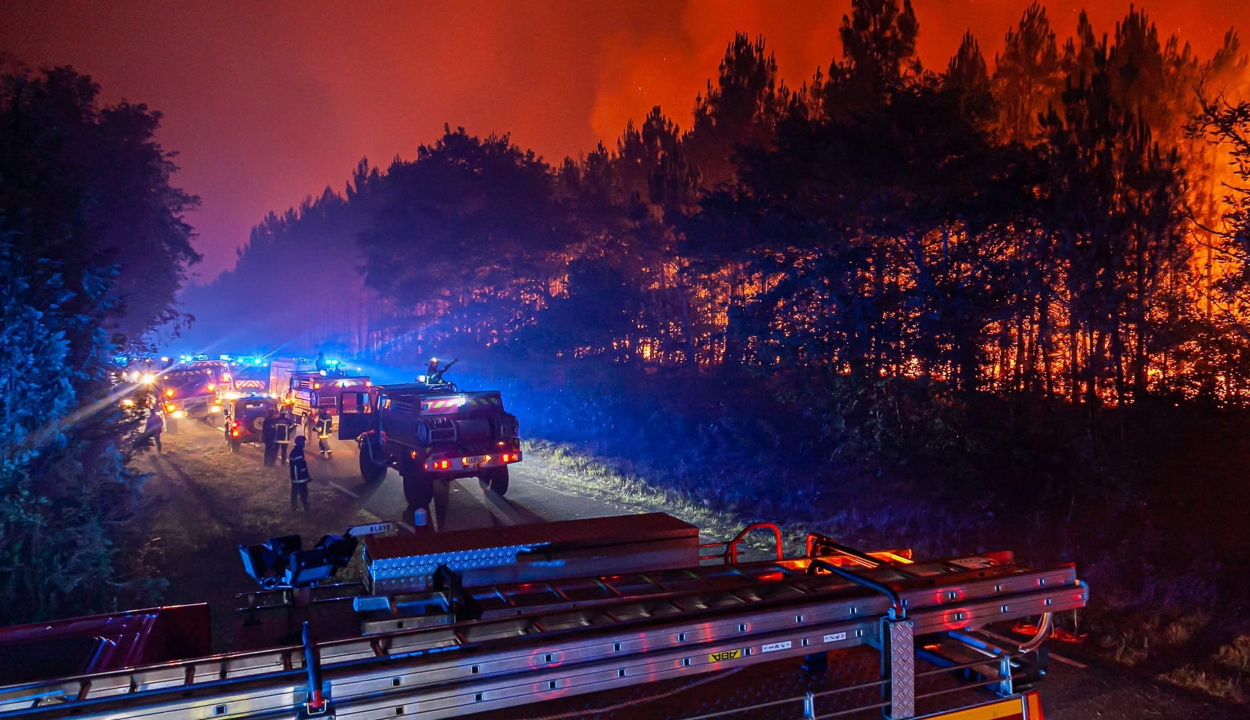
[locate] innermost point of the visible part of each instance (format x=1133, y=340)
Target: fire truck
x=250, y=375
x=334, y=391
x=622, y=616
x=431, y=432
x=192, y=390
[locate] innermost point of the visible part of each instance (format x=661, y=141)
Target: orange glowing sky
x=268, y=101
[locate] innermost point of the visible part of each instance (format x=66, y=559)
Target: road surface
x=195, y=476
x=458, y=505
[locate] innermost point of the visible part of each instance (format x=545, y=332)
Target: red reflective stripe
x=1033, y=704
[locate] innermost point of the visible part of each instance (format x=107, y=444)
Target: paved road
x=458, y=505
x=1070, y=693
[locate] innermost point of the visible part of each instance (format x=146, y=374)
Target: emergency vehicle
x=244, y=418
x=192, y=390
x=334, y=391
x=431, y=432
x=627, y=616
x=250, y=375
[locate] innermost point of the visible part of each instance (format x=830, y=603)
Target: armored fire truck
x=626, y=616
x=431, y=432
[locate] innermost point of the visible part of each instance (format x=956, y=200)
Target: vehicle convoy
x=431, y=432
x=603, y=615
x=245, y=418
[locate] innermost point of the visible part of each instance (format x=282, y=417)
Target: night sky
x=269, y=101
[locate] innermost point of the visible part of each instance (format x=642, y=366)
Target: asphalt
x=458, y=504
x=1072, y=691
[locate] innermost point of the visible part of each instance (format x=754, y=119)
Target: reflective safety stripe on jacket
x=299, y=467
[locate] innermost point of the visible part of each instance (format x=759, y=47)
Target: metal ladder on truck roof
x=653, y=630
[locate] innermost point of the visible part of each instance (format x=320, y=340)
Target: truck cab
x=432, y=432
x=192, y=391
x=310, y=392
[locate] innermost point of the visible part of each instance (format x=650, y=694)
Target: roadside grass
x=1224, y=675
x=1213, y=684
x=642, y=489
x=878, y=513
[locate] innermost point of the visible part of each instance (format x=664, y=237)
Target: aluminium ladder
x=577, y=636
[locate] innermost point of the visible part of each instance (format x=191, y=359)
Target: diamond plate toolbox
x=520, y=553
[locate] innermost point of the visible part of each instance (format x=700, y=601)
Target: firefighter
x=299, y=475
x=321, y=362
x=153, y=427
x=269, y=436
x=285, y=432
x=323, y=426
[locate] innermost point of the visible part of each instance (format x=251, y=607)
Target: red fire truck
x=628, y=615
x=192, y=390
x=336, y=392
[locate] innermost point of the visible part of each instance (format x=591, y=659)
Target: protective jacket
x=299, y=466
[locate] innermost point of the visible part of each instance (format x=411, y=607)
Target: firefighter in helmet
x=324, y=425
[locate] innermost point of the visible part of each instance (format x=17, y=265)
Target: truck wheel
x=419, y=489
x=371, y=471
x=234, y=446
x=496, y=479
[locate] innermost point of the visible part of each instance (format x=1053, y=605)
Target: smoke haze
x=267, y=102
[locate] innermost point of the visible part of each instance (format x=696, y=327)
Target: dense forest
x=1000, y=303
x=93, y=249
x=1058, y=225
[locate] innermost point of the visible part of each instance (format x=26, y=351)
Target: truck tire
x=419, y=489
x=370, y=470
x=234, y=446
x=496, y=479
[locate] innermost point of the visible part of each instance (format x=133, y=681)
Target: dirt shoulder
x=204, y=501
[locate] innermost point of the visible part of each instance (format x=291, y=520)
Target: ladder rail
x=864, y=608
x=233, y=665
x=498, y=679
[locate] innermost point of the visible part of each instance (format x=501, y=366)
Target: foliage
x=1028, y=229
x=92, y=250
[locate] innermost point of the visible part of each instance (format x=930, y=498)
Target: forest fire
x=1044, y=227
x=917, y=276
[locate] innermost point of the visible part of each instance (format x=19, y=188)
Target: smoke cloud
x=269, y=101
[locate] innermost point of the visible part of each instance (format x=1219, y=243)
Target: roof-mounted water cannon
x=434, y=374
